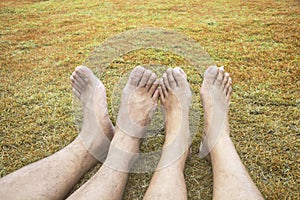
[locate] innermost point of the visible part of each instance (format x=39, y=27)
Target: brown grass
x=258, y=41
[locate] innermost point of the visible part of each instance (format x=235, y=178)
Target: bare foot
x=97, y=129
x=176, y=96
x=139, y=102
x=138, y=105
x=215, y=95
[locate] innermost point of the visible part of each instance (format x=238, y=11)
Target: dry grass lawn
x=258, y=42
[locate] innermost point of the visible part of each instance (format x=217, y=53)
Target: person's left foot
x=97, y=129
x=139, y=102
x=215, y=94
x=138, y=105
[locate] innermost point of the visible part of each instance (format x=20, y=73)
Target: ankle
x=80, y=151
x=223, y=142
x=125, y=142
x=175, y=162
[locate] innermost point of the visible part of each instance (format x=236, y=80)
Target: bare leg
x=54, y=176
x=231, y=180
x=139, y=101
x=168, y=179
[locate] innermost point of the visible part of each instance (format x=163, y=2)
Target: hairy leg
x=53, y=177
x=168, y=179
x=138, y=104
x=231, y=180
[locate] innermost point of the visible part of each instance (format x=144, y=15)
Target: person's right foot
x=97, y=129
x=215, y=95
x=175, y=96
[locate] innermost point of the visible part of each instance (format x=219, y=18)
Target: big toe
x=211, y=74
x=84, y=73
x=171, y=79
x=178, y=70
x=136, y=75
x=179, y=76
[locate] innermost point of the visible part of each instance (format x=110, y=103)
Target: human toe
x=211, y=74
x=171, y=79
x=229, y=87
x=165, y=81
x=77, y=81
x=225, y=80
x=180, y=70
x=151, y=80
x=145, y=77
x=179, y=76
x=84, y=72
x=136, y=75
x=220, y=76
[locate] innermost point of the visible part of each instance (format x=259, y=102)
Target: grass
x=41, y=42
